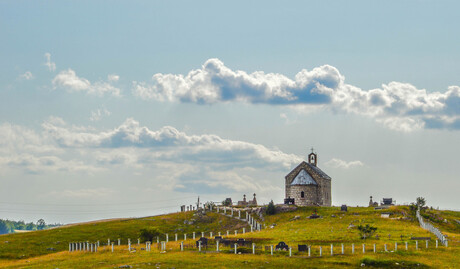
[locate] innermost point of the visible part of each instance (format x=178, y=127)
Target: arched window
x=302, y=194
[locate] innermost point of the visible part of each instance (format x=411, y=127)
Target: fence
x=250, y=247
x=428, y=226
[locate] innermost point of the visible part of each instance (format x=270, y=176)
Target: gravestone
x=282, y=246
x=204, y=242
x=344, y=208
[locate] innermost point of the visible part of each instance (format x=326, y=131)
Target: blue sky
x=156, y=102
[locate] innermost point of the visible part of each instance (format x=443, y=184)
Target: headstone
x=112, y=247
x=343, y=250
x=119, y=242
x=271, y=250
x=320, y=251
x=167, y=238
x=217, y=245
x=290, y=252
x=396, y=246
x=332, y=250
x=364, y=248
x=352, y=248
x=406, y=245
x=236, y=245
x=202, y=234
x=244, y=230
x=182, y=246
x=236, y=232
x=108, y=242
x=193, y=235
x=374, y=248
x=185, y=237
x=302, y=248
x=210, y=234
x=253, y=248
x=281, y=246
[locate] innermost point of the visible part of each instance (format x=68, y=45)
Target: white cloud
x=338, y=163
x=27, y=76
x=399, y=106
x=51, y=65
x=68, y=79
x=204, y=160
x=98, y=114
x=113, y=78
x=170, y=144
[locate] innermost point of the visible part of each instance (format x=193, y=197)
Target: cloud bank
x=205, y=160
x=399, y=106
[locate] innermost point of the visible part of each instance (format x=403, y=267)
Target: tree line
x=10, y=226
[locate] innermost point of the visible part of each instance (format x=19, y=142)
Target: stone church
x=307, y=185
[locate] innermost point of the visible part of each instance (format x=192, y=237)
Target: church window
x=302, y=194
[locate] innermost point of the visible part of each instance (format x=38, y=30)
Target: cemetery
x=235, y=236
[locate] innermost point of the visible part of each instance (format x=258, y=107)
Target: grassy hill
x=35, y=249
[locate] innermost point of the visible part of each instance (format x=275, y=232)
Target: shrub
x=271, y=209
x=147, y=234
x=366, y=231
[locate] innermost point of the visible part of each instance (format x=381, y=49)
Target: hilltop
x=49, y=248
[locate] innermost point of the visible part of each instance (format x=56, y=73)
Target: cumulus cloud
x=51, y=65
x=399, y=106
x=113, y=78
x=98, y=114
x=338, y=163
x=170, y=144
x=69, y=80
x=27, y=76
x=178, y=160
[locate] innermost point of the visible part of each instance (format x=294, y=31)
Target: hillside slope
x=333, y=227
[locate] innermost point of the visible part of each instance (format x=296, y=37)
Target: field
x=49, y=248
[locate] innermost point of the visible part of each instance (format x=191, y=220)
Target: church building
x=307, y=185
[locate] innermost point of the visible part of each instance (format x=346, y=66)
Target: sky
x=133, y=108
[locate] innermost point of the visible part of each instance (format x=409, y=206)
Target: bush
x=271, y=209
x=366, y=231
x=147, y=234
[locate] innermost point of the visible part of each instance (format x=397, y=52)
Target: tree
x=366, y=231
x=147, y=234
x=226, y=202
x=41, y=224
x=4, y=227
x=30, y=226
x=420, y=202
x=271, y=209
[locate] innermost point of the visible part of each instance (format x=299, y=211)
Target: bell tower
x=313, y=157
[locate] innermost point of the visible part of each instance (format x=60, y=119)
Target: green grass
x=25, y=245
x=28, y=250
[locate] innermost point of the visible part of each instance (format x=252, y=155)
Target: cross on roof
x=312, y=149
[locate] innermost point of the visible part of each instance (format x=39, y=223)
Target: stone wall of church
x=310, y=194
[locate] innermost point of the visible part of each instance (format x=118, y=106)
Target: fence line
x=428, y=226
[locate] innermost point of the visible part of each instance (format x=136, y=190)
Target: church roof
x=318, y=171
x=303, y=178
